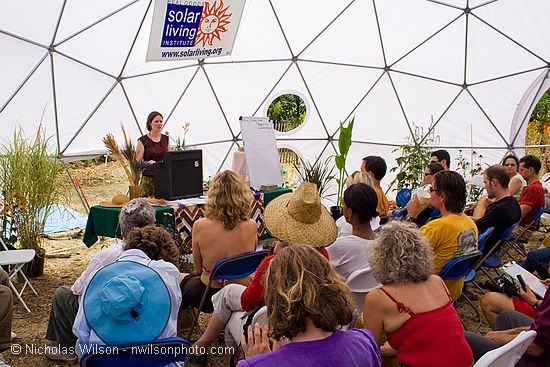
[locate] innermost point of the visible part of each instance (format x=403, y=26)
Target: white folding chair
x=360, y=283
x=509, y=353
x=15, y=260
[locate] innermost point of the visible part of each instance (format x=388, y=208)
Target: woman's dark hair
x=150, y=119
x=362, y=200
x=435, y=167
x=453, y=186
x=155, y=242
x=510, y=156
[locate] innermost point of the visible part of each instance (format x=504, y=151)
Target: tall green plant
x=414, y=158
x=344, y=143
x=30, y=181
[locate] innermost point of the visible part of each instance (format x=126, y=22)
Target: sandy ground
x=99, y=182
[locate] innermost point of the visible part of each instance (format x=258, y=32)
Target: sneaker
x=3, y=362
x=53, y=354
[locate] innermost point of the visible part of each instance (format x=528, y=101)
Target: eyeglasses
x=435, y=161
x=433, y=190
x=427, y=174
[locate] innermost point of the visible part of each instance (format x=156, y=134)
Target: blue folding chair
x=491, y=260
x=481, y=239
x=154, y=354
x=234, y=267
x=458, y=268
x=403, y=197
x=517, y=242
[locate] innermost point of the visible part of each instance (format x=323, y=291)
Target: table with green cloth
x=103, y=221
x=186, y=215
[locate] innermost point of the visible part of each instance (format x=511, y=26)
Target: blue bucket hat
x=127, y=302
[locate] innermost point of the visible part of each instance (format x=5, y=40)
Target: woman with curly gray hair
x=413, y=307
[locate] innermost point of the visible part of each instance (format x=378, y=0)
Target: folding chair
x=517, y=242
x=457, y=268
x=360, y=283
x=482, y=238
x=509, y=353
x=234, y=267
x=260, y=317
x=491, y=260
x=154, y=354
x=15, y=260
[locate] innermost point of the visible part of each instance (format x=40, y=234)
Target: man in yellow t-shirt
x=454, y=234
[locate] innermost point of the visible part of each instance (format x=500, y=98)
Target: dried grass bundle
x=112, y=146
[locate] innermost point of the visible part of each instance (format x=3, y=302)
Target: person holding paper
x=510, y=323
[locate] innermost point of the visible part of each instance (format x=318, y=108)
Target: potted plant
x=344, y=143
x=31, y=186
x=319, y=173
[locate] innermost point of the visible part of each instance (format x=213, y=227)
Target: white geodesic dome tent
x=474, y=67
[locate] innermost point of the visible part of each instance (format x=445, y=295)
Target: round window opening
x=290, y=166
x=287, y=112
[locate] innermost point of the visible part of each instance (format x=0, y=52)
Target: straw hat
x=127, y=302
x=299, y=217
x=118, y=201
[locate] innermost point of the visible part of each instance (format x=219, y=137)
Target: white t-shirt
x=345, y=229
x=349, y=253
x=545, y=181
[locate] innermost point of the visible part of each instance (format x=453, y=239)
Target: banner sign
x=193, y=29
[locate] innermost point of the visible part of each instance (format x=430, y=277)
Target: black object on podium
x=178, y=176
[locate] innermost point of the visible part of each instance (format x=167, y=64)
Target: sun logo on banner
x=213, y=22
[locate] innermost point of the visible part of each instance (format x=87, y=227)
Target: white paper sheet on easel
x=262, y=156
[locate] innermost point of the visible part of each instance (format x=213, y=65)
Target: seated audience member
x=376, y=167
x=494, y=303
x=6, y=314
x=225, y=231
x=344, y=228
x=441, y=156
x=306, y=301
x=137, y=213
x=454, y=234
x=538, y=260
x=545, y=180
x=292, y=218
x=502, y=212
x=136, y=298
x=510, y=323
x=532, y=196
x=517, y=182
x=419, y=212
x=350, y=253
x=413, y=308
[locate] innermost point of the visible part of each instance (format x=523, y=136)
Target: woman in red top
x=413, y=308
x=294, y=218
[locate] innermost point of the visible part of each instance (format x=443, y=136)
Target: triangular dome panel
x=30, y=19
x=327, y=81
x=199, y=107
x=106, y=45
x=525, y=22
x=441, y=57
x=491, y=55
x=106, y=120
x=28, y=56
x=216, y=157
x=74, y=103
x=146, y=96
x=367, y=52
x=399, y=18
x=32, y=108
x=242, y=88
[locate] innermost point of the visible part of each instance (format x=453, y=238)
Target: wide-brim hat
x=300, y=218
x=127, y=302
x=118, y=201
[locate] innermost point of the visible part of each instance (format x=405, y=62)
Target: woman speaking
x=152, y=146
